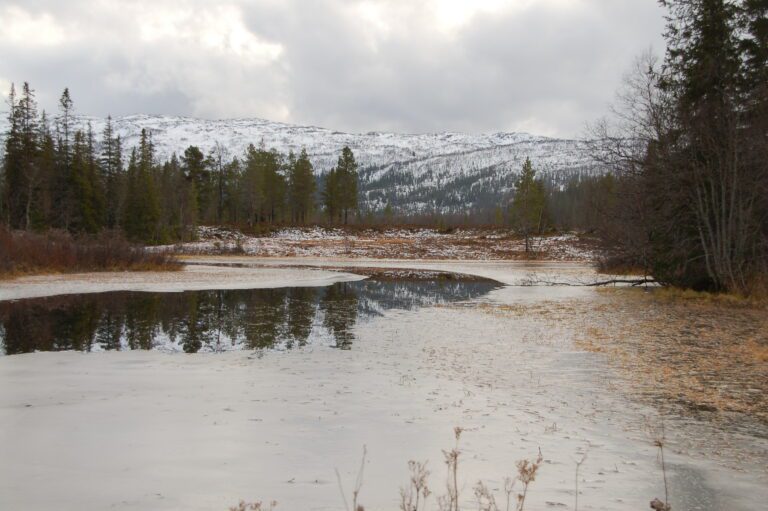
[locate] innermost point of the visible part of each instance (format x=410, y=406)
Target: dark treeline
x=690, y=152
x=55, y=176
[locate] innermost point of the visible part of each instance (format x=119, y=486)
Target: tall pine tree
x=196, y=169
x=302, y=188
x=141, y=211
x=346, y=170
x=111, y=166
x=62, y=195
x=529, y=204
x=13, y=165
x=84, y=207
x=332, y=194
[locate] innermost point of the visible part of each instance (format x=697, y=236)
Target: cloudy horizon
x=545, y=66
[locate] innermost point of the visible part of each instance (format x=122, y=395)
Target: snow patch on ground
x=391, y=243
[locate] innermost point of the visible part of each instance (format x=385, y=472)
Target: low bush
x=23, y=253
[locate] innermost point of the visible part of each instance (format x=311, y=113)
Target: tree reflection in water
x=214, y=320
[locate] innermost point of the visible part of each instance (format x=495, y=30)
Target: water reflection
x=214, y=320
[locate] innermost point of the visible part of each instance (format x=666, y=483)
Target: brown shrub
x=23, y=252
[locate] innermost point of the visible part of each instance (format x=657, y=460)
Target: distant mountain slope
x=424, y=172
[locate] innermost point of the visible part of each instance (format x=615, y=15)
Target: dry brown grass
x=752, y=351
x=672, y=294
x=705, y=354
x=27, y=253
x=693, y=351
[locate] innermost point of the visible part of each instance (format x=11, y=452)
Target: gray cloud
x=545, y=66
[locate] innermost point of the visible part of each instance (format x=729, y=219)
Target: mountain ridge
x=411, y=172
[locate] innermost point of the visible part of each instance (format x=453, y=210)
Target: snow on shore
x=191, y=278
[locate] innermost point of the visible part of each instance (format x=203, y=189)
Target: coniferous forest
x=58, y=177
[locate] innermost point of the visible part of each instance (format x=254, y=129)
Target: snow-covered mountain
x=413, y=172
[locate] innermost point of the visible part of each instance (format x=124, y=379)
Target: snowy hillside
x=440, y=171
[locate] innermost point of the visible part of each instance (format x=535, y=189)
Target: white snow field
x=150, y=430
x=172, y=134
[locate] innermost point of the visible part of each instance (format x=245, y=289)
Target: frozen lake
x=217, y=320
x=96, y=427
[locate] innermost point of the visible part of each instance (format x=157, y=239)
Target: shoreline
x=248, y=272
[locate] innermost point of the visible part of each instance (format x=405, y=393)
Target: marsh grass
x=699, y=352
x=677, y=295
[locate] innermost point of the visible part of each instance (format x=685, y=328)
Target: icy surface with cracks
x=147, y=430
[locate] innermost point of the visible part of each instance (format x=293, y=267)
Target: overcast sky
x=543, y=66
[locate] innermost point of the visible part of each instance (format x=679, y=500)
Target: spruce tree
x=302, y=187
x=234, y=190
x=173, y=186
x=331, y=195
x=289, y=164
x=111, y=167
x=96, y=179
x=23, y=176
x=196, y=169
x=65, y=125
x=754, y=45
x=274, y=185
x=154, y=232
x=84, y=208
x=141, y=211
x=43, y=216
x=63, y=200
x=346, y=176
x=252, y=188
x=31, y=173
x=218, y=157
x=129, y=220
x=13, y=165
x=179, y=206
x=528, y=204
